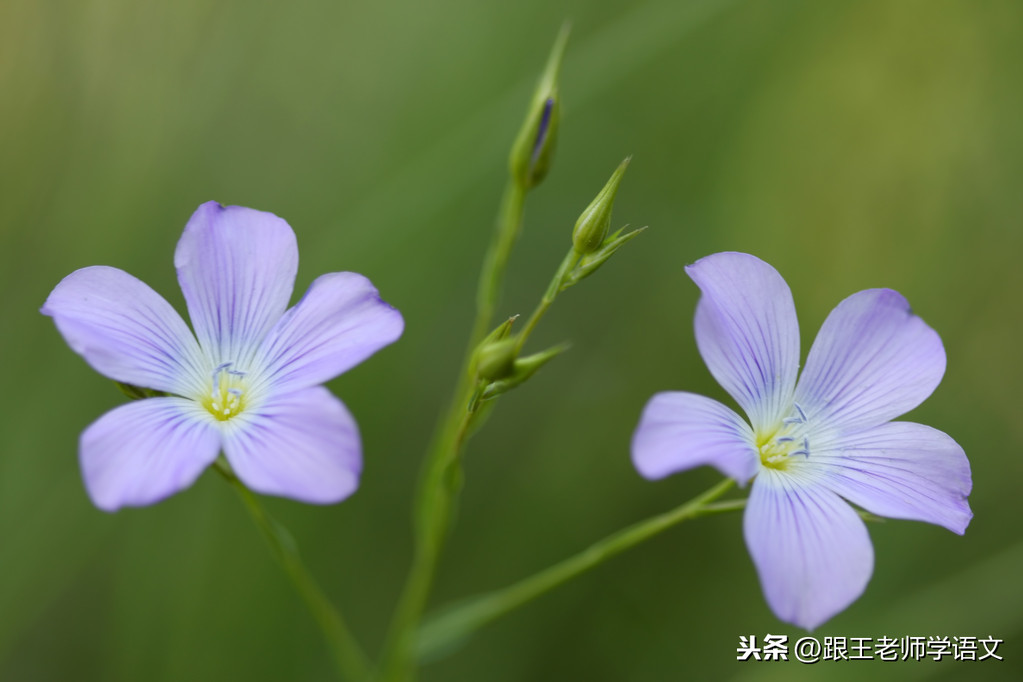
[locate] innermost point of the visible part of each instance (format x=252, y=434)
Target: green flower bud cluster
x=496, y=365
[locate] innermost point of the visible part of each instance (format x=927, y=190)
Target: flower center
x=226, y=397
x=788, y=439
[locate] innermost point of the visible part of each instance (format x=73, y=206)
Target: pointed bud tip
x=500, y=331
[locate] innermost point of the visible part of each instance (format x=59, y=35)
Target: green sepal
x=137, y=392
x=523, y=370
x=590, y=263
x=533, y=149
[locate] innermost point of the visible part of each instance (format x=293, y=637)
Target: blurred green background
x=850, y=144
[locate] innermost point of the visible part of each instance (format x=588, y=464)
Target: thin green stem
x=453, y=625
x=438, y=494
x=441, y=479
x=509, y=224
x=348, y=657
x=722, y=507
x=569, y=262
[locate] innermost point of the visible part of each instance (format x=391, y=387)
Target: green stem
x=441, y=478
x=569, y=262
x=348, y=657
x=453, y=625
x=438, y=493
x=509, y=224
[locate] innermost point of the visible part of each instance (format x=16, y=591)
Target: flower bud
x=533, y=150
x=522, y=370
x=496, y=360
x=592, y=226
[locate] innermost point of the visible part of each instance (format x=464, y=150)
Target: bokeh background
x=850, y=144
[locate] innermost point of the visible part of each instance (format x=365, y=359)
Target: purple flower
x=810, y=444
x=250, y=384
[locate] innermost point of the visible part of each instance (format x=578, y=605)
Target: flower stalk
x=441, y=479
x=556, y=286
x=492, y=364
x=452, y=626
x=351, y=663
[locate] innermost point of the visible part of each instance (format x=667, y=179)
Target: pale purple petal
x=679, y=431
x=237, y=270
x=810, y=548
x=125, y=330
x=872, y=361
x=144, y=451
x=303, y=445
x=747, y=333
x=900, y=470
x=339, y=322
